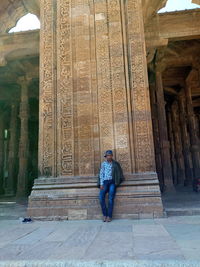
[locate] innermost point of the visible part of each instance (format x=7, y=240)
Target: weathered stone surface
x=120, y=242
x=58, y=198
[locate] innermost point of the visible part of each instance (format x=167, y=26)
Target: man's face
x=109, y=157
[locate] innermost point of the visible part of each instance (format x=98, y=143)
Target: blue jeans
x=110, y=188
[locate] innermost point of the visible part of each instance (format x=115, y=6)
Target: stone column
x=93, y=97
x=1, y=151
x=194, y=140
x=143, y=159
x=47, y=97
x=71, y=134
x=172, y=145
x=23, y=142
x=185, y=139
x=178, y=143
x=154, y=112
x=164, y=140
x=197, y=124
x=12, y=151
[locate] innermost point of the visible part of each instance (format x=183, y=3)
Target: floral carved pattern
x=143, y=141
x=47, y=92
x=65, y=161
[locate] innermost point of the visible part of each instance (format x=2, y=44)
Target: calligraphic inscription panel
x=143, y=139
x=47, y=137
x=85, y=106
x=65, y=127
x=119, y=93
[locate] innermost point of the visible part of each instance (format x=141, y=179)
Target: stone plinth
x=77, y=198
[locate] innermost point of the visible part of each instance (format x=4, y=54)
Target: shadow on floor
x=12, y=208
x=183, y=201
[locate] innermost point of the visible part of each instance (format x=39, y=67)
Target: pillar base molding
x=74, y=198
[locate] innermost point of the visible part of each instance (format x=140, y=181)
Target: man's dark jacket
x=117, y=174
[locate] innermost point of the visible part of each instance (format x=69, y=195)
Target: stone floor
x=123, y=243
x=183, y=201
x=10, y=209
x=173, y=238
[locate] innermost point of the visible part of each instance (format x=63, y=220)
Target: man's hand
x=101, y=187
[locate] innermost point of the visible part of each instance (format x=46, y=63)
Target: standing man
x=110, y=176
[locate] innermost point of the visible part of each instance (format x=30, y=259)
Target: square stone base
x=75, y=198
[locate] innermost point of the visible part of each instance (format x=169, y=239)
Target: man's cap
x=108, y=152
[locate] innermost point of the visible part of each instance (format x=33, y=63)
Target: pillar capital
x=160, y=67
x=3, y=61
x=192, y=77
x=196, y=64
x=160, y=64
x=24, y=80
x=181, y=95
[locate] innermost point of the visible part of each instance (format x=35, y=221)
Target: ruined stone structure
x=109, y=71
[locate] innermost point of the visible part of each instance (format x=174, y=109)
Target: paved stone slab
x=39, y=251
x=111, y=245
x=34, y=236
x=150, y=230
x=14, y=233
x=77, y=243
x=159, y=248
x=174, y=238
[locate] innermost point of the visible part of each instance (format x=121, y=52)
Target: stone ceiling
x=9, y=80
x=180, y=58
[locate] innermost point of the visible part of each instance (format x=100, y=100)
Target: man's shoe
x=109, y=219
x=104, y=218
x=27, y=220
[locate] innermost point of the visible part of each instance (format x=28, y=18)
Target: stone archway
x=11, y=12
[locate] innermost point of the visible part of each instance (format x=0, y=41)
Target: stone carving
x=104, y=77
x=68, y=103
x=47, y=153
x=86, y=108
x=65, y=133
x=143, y=143
x=120, y=109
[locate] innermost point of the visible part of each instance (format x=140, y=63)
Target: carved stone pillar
x=194, y=140
x=197, y=124
x=140, y=101
x=1, y=152
x=93, y=96
x=172, y=145
x=178, y=143
x=154, y=112
x=47, y=97
x=23, y=142
x=185, y=139
x=10, y=190
x=164, y=140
